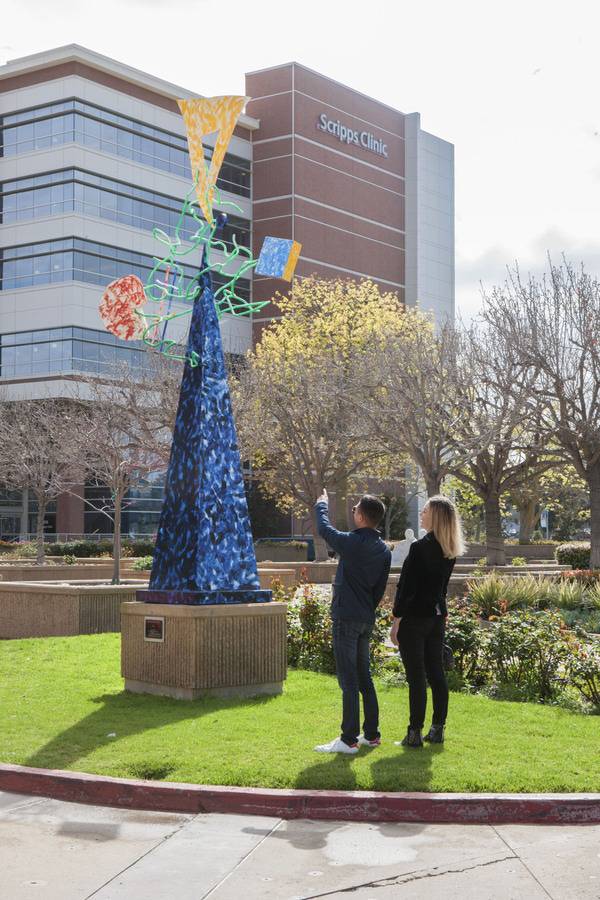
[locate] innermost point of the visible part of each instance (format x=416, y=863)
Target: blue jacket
x=362, y=572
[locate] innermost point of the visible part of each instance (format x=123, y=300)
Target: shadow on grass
x=123, y=715
x=407, y=769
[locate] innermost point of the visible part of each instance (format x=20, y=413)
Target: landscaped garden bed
x=62, y=706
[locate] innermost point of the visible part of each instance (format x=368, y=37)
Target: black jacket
x=362, y=571
x=424, y=580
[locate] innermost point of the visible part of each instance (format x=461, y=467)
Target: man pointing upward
x=358, y=587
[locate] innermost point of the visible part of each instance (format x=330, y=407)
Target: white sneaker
x=337, y=746
x=365, y=743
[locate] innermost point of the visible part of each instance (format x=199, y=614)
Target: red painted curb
x=356, y=806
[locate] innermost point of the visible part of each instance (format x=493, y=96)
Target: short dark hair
x=372, y=509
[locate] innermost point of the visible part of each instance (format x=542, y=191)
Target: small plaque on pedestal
x=154, y=628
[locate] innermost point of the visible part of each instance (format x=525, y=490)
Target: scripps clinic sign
x=347, y=135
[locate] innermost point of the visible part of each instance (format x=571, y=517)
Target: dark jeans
x=351, y=650
x=421, y=647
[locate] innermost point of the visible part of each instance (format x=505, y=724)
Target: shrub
x=143, y=564
x=527, y=652
x=568, y=595
x=589, y=577
x=281, y=594
x=69, y=559
x=575, y=554
x=583, y=670
x=466, y=639
x=27, y=551
x=588, y=620
x=392, y=672
x=141, y=546
x=7, y=546
x=293, y=545
x=310, y=634
x=519, y=561
x=496, y=594
x=80, y=549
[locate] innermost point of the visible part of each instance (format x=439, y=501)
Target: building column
x=69, y=512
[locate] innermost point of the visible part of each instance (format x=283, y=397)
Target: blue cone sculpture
x=204, y=550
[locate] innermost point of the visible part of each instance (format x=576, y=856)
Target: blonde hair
x=446, y=526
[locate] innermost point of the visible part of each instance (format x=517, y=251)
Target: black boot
x=435, y=735
x=413, y=738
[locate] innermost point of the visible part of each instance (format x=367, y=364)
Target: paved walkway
x=66, y=851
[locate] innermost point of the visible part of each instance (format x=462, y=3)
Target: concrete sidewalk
x=66, y=851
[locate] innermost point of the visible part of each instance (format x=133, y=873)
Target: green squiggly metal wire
x=159, y=287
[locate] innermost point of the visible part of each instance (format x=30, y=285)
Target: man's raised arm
x=337, y=540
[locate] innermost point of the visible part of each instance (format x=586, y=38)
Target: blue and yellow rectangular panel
x=278, y=258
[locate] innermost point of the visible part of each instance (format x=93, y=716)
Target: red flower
x=118, y=304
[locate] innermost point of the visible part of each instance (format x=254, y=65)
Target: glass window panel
x=91, y=351
x=24, y=267
x=107, y=354
x=43, y=134
x=40, y=353
x=42, y=200
x=9, y=207
x=42, y=264
x=23, y=355
x=125, y=205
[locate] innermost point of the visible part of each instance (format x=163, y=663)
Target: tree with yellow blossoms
x=295, y=401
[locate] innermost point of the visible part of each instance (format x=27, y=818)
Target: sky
x=513, y=85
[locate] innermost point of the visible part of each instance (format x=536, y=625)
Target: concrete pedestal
x=188, y=652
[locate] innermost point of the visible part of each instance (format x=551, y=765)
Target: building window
x=75, y=259
x=72, y=121
x=141, y=508
x=73, y=190
x=65, y=350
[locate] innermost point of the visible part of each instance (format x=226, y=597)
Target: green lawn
x=62, y=705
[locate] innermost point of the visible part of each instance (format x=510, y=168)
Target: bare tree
x=130, y=416
x=553, y=326
x=38, y=443
x=502, y=423
x=415, y=403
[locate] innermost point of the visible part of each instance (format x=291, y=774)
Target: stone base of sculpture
x=193, y=651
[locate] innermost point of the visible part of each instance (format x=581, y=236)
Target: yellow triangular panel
x=202, y=116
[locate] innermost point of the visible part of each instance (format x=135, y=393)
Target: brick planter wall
x=48, y=610
x=99, y=570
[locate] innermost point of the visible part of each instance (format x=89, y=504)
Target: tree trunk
x=116, y=579
x=593, y=480
x=39, y=527
x=387, y=521
x=433, y=482
x=527, y=518
x=496, y=555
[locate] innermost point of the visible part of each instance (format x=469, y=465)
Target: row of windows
x=106, y=115
x=91, y=126
x=69, y=349
x=65, y=356
x=75, y=259
x=93, y=195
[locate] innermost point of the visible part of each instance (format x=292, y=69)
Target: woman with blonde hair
x=420, y=616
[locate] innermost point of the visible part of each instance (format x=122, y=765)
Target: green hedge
x=575, y=554
x=86, y=549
